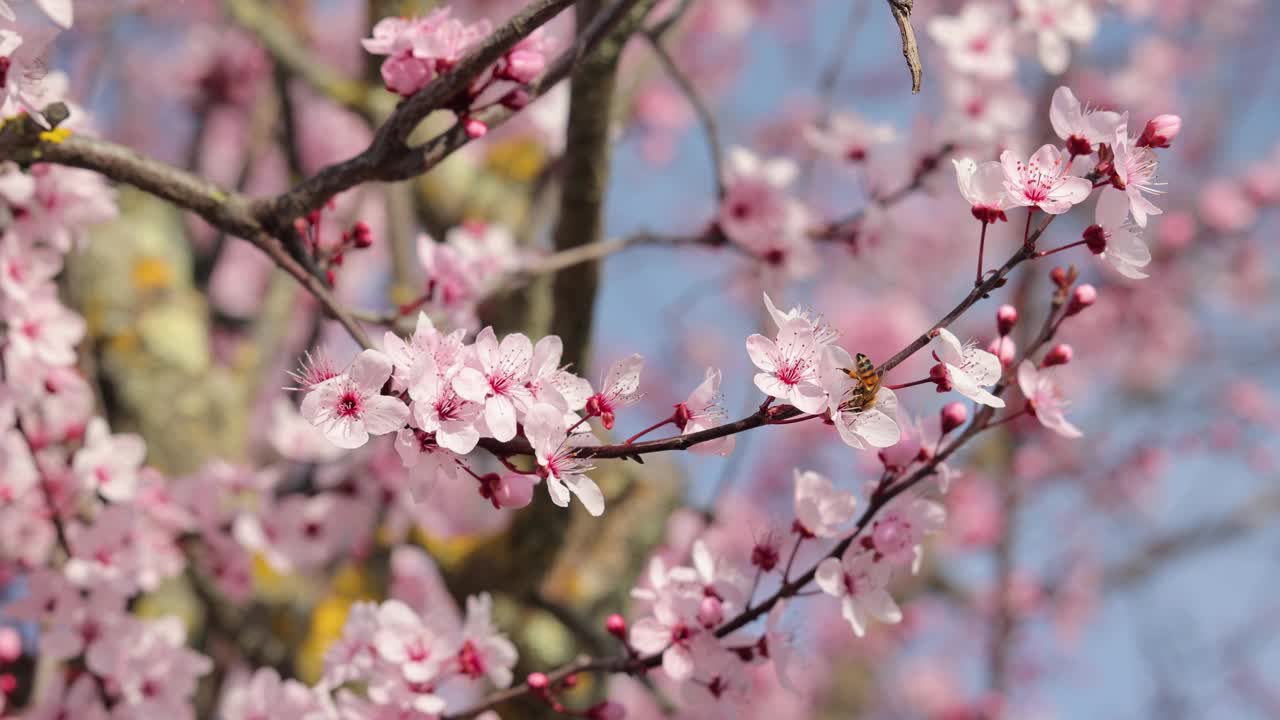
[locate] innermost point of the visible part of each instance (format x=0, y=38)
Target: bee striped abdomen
x=864, y=371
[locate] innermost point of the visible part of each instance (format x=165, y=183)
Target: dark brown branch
x=901, y=10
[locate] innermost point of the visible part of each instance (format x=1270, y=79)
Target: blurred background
x=1133, y=573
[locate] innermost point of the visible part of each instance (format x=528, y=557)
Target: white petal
x=830, y=577
x=370, y=371
x=382, y=414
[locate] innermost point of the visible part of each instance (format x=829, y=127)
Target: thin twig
x=709, y=127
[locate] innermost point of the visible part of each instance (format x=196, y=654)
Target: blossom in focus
x=861, y=584
x=351, y=407
x=968, y=368
x=1042, y=181
x=702, y=411
x=496, y=379
x=440, y=409
x=564, y=473
x=1045, y=397
x=1080, y=128
x=1121, y=241
x=983, y=188
x=418, y=49
x=789, y=365
x=1135, y=173
x=619, y=388
x=860, y=427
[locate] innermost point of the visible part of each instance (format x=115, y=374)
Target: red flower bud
x=1059, y=354
x=1006, y=318
x=617, y=626
x=953, y=415
x=1160, y=131
x=1095, y=238
x=1081, y=298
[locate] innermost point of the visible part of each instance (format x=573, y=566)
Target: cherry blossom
x=1120, y=240
x=438, y=407
x=20, y=89
x=897, y=533
x=414, y=647
x=619, y=388
x=265, y=694
x=968, y=368
x=757, y=213
x=351, y=407
x=428, y=461
x=790, y=365
x=861, y=584
x=702, y=411
x=849, y=137
x=977, y=41
x=1056, y=23
x=496, y=379
x=483, y=651
x=1135, y=172
x=823, y=332
x=1045, y=398
x=821, y=509
x=983, y=187
x=1080, y=128
x=43, y=329
x=1042, y=182
x=109, y=463
x=671, y=631
x=859, y=426
x=564, y=473
x=153, y=674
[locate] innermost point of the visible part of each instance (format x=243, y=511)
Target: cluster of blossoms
x=420, y=49
x=463, y=270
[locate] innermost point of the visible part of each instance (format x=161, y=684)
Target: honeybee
x=863, y=395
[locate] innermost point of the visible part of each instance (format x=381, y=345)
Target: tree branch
x=901, y=10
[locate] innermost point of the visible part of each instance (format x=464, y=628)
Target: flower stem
x=1026, y=232
x=648, y=430
x=982, y=245
x=909, y=384
x=1068, y=246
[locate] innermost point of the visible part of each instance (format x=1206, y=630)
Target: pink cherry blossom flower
x=43, y=329
x=861, y=584
x=438, y=408
x=1080, y=128
x=702, y=411
x=497, y=380
x=619, y=388
x=483, y=651
x=1121, y=240
x=1042, y=182
x=66, y=202
x=351, y=657
x=1056, y=23
x=720, y=579
x=1135, y=173
x=446, y=351
x=1045, y=397
x=897, y=533
x=790, y=365
x=552, y=384
x=60, y=702
x=25, y=268
x=20, y=77
x=427, y=460
x=977, y=41
x=757, y=213
x=860, y=427
x=16, y=186
x=720, y=685
x=294, y=533
x=564, y=473
x=821, y=510
x=264, y=695
x=671, y=631
x=526, y=61
x=983, y=187
x=823, y=331
x=91, y=615
x=152, y=672
x=415, y=648
x=849, y=137
x=19, y=467
x=109, y=464
x=351, y=407
x=296, y=439
x=968, y=368
x=984, y=110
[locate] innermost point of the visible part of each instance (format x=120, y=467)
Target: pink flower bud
x=681, y=416
x=1006, y=318
x=607, y=710
x=710, y=612
x=617, y=626
x=538, y=681
x=1081, y=298
x=514, y=490
x=361, y=234
x=475, y=128
x=938, y=373
x=524, y=65
x=405, y=75
x=10, y=644
x=1059, y=354
x=953, y=415
x=1160, y=130
x=517, y=99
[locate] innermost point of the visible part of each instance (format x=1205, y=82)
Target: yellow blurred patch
x=519, y=159
x=151, y=273
x=450, y=552
x=55, y=136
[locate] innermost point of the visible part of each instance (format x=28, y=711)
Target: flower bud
x=361, y=234
x=1059, y=354
x=1095, y=238
x=517, y=99
x=1077, y=145
x=1081, y=298
x=681, y=416
x=938, y=374
x=1006, y=318
x=710, y=612
x=570, y=681
x=1160, y=131
x=475, y=128
x=10, y=644
x=538, y=681
x=953, y=415
x=617, y=626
